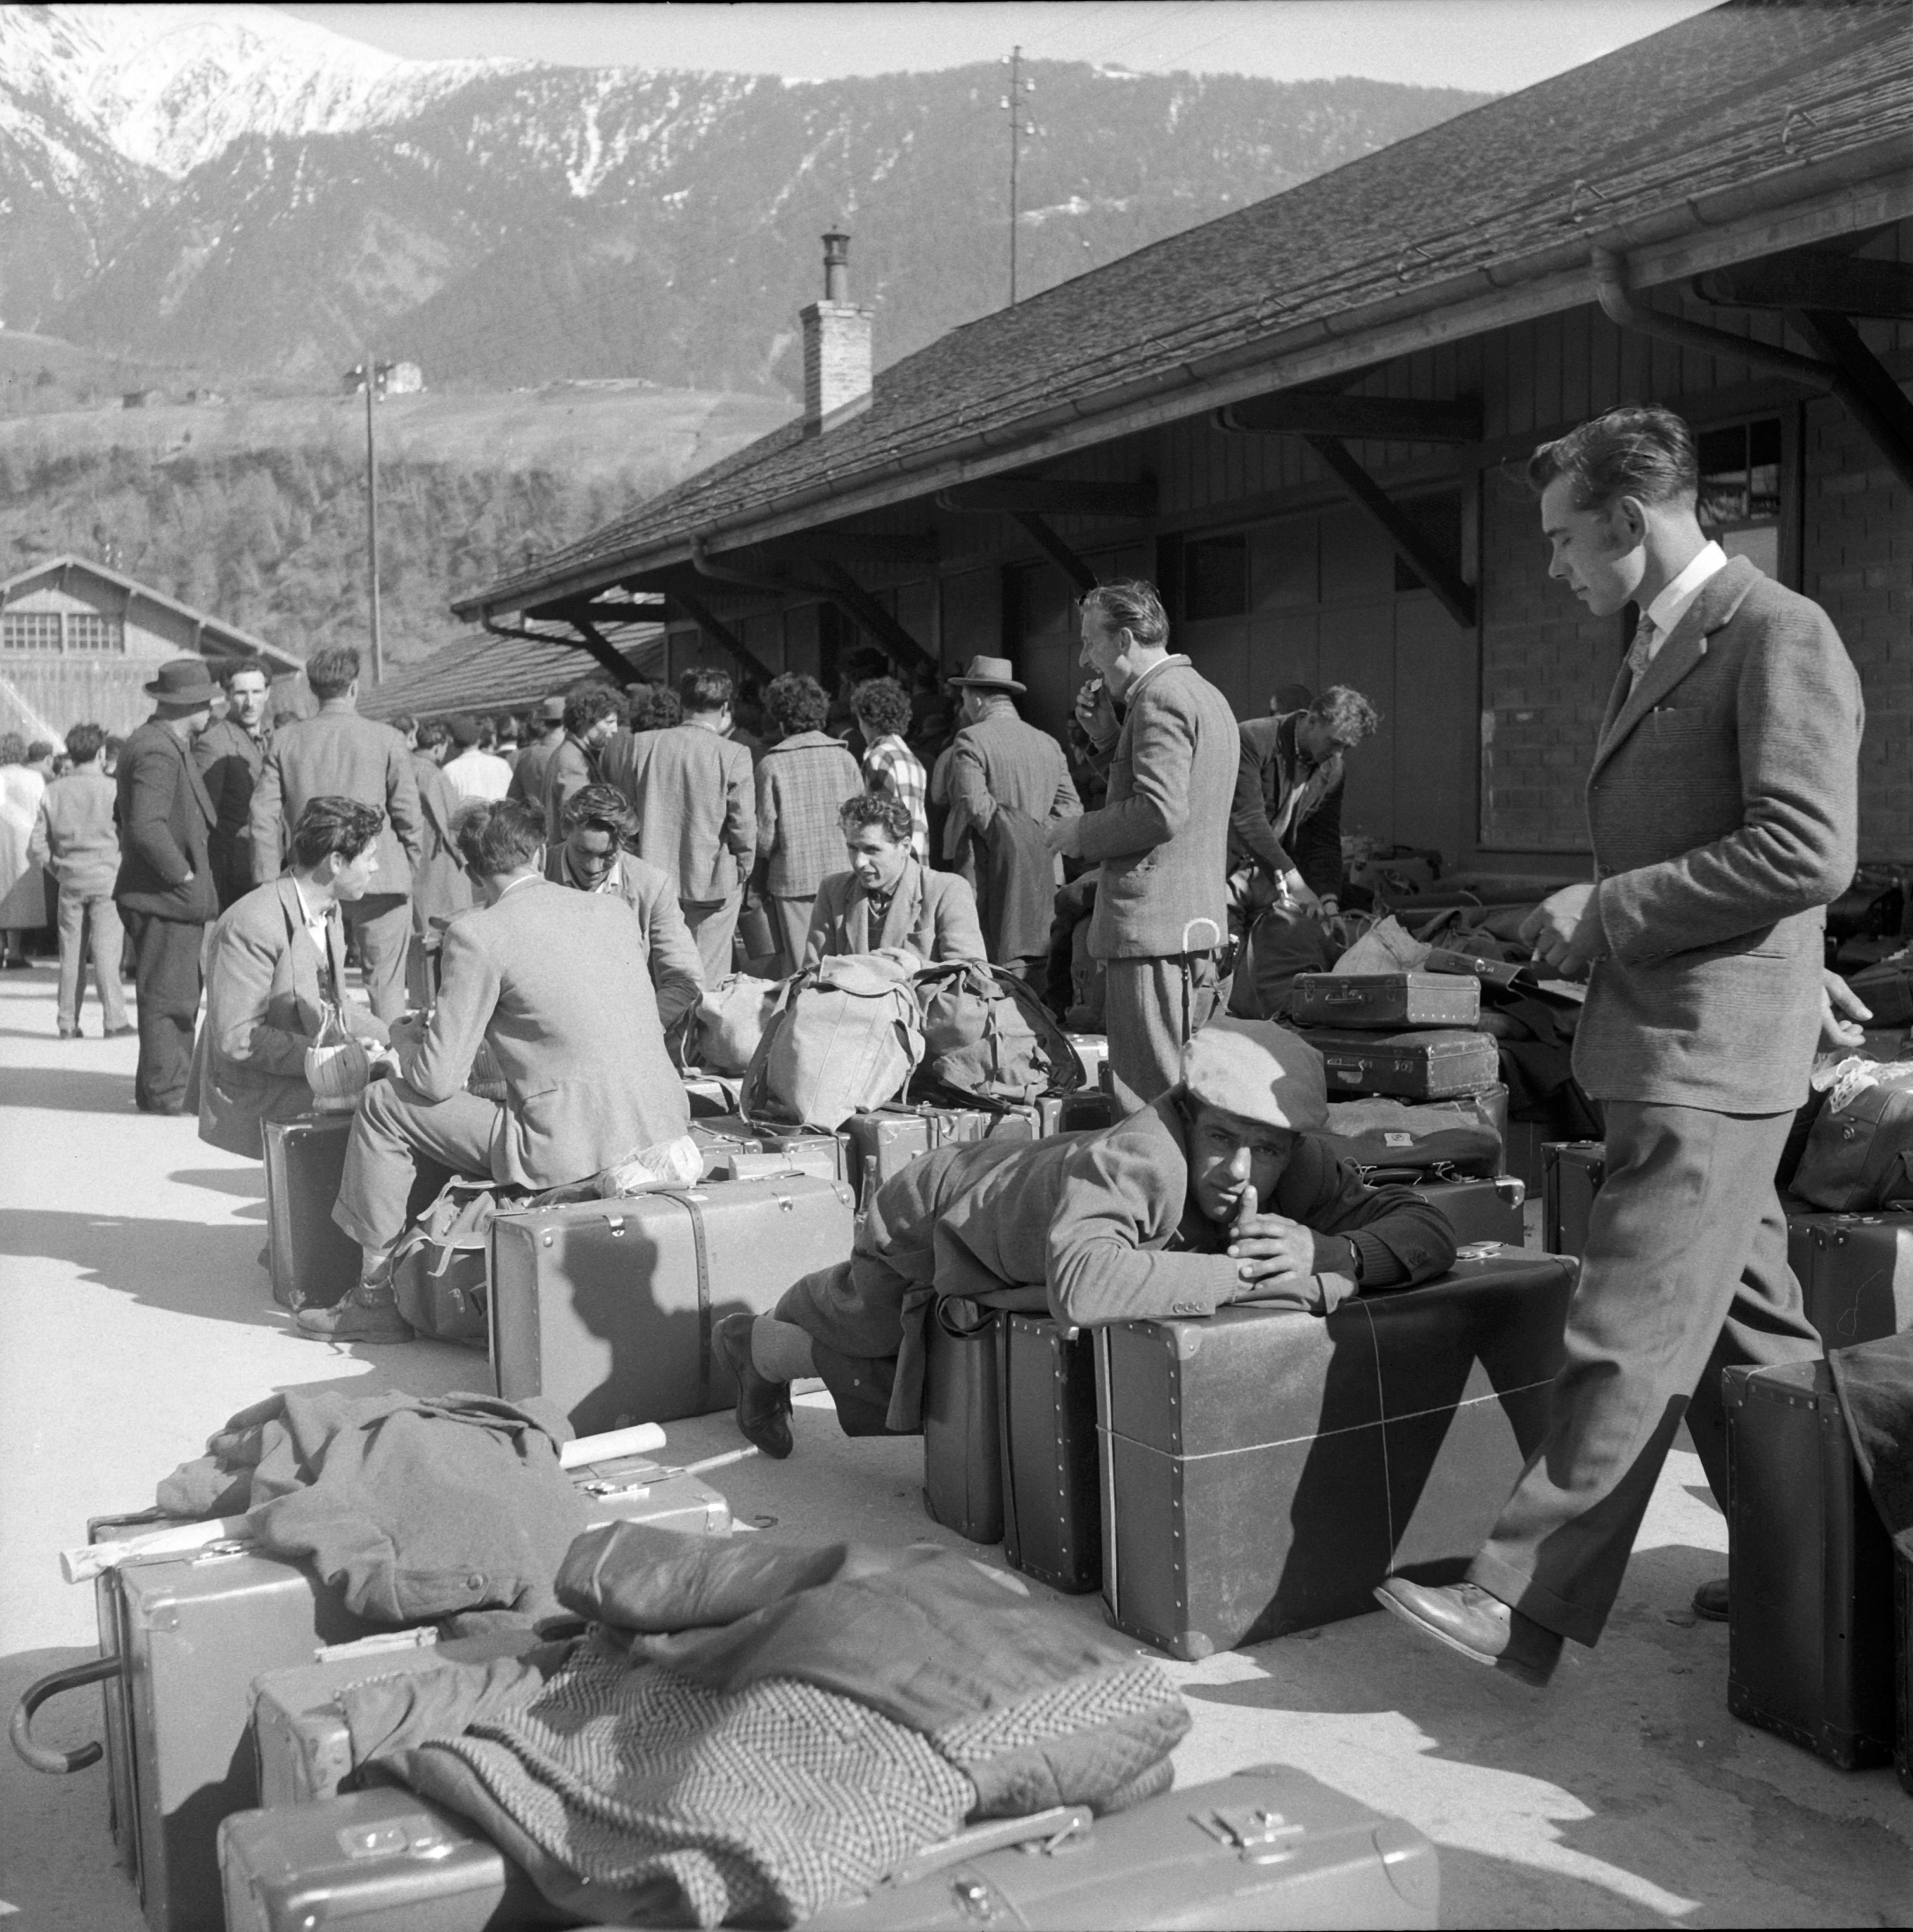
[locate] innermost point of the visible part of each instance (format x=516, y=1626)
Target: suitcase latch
x=417, y=1835
x=977, y=1899
x=1253, y=1831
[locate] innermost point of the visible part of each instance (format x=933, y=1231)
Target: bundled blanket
x=754, y=1732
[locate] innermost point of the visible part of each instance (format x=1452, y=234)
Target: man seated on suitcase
x=557, y=983
x=1222, y=1190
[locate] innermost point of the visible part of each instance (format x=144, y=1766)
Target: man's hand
x=407, y=1031
x=1564, y=930
x=1096, y=712
x=1842, y=1013
x=1270, y=1251
x=1064, y=835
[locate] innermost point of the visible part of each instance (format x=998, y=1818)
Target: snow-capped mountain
x=232, y=187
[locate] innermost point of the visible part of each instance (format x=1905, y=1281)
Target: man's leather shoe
x=1475, y=1625
x=1711, y=1600
x=763, y=1406
x=368, y=1314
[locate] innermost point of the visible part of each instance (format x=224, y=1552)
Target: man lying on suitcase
x=558, y=984
x=1161, y=1215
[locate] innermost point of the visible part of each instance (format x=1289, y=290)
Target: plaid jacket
x=890, y=766
x=801, y=782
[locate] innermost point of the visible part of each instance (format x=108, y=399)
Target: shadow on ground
x=66, y=1090
x=191, y=1268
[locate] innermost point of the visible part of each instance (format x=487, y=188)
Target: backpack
x=988, y=1038
x=731, y=1019
x=441, y=1266
x=843, y=1037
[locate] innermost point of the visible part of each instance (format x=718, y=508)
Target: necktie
x=1641, y=652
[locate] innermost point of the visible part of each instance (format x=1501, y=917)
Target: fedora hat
x=184, y=684
x=552, y=711
x=990, y=674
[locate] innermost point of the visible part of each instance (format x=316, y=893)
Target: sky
x=1492, y=45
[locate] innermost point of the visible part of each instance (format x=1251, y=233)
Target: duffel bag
x=439, y=1267
x=1437, y=1137
x=1284, y=942
x=1853, y=1156
x=731, y=1019
x=987, y=1037
x=844, y=1036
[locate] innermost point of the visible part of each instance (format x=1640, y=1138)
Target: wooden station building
x=1306, y=420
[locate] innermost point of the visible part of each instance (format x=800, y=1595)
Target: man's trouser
x=1685, y=1273
x=398, y=1139
x=167, y=978
x=713, y=922
x=90, y=919
x=790, y=920
x=382, y=923
x=1151, y=1007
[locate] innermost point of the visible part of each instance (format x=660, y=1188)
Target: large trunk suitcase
x=1430, y=1065
x=608, y=1306
x=1478, y=1210
x=1263, y=1470
x=1855, y=1274
x=1385, y=1001
x=1052, y=1506
x=1810, y=1586
x=1573, y=1171
x=314, y=1263
x=962, y=1454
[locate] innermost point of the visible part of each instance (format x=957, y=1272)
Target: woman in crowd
x=886, y=898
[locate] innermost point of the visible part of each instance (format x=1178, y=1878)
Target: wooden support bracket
x=1037, y=529
x=1863, y=383
x=870, y=616
x=721, y=633
x=1454, y=597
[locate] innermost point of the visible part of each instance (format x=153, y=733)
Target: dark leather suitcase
x=1435, y=1135
x=1052, y=1505
x=382, y=1860
x=1429, y=1066
x=1092, y=1050
x=608, y=1306
x=1386, y=1002
x=1573, y=1172
x=314, y=1265
x=1855, y=1274
x=1477, y=1209
x=1810, y=1586
x=962, y=1449
x=1076, y=1113
x=1263, y=1470
x=720, y=1136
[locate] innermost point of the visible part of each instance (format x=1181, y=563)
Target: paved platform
x=134, y=1318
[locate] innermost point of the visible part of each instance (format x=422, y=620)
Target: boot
x=368, y=1314
x=763, y=1406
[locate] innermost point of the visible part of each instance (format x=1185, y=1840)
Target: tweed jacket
x=439, y=887
x=229, y=758
x=999, y=760
x=337, y=754
x=801, y=782
x=1722, y=810
x=1162, y=834
x=530, y=770
x=557, y=983
x=73, y=836
x=571, y=767
x=697, y=819
x=1283, y=815
x=264, y=1008
x=166, y=822
x=934, y=913
x=677, y=973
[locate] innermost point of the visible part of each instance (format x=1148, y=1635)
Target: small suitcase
x=813, y=1148
x=1430, y=1065
x=884, y=1141
x=1052, y=1507
x=1855, y=1274
x=1810, y=1586
x=1573, y=1171
x=608, y=1306
x=1080, y=1112
x=1263, y=1470
x=719, y=1136
x=1092, y=1050
x=382, y=1860
x=813, y=1154
x=1386, y=1002
x=962, y=1453
x=314, y=1263
x=1478, y=1210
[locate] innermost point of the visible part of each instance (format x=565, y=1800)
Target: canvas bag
x=1853, y=1156
x=1283, y=941
x=844, y=1037
x=731, y=1019
x=987, y=1037
x=446, y=1248
x=1437, y=1137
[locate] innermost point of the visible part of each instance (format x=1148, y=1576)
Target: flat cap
x=1260, y=1071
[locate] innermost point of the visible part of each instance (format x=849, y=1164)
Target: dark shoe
x=18, y=963
x=71, y=1033
x=1477, y=1626
x=1711, y=1600
x=368, y=1314
x=763, y=1406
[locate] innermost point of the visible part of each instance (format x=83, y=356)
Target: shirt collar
x=314, y=915
x=1671, y=606
x=1162, y=663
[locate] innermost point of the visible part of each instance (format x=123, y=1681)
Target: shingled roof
x=488, y=673
x=1757, y=106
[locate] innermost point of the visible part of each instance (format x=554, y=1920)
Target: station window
x=1739, y=495
x=1215, y=576
x=30, y=631
x=93, y=631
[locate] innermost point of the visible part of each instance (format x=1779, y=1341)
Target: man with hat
x=1222, y=1190
x=529, y=768
x=473, y=771
x=165, y=889
x=1008, y=783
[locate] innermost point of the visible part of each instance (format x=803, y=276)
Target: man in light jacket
x=1723, y=809
x=802, y=780
x=74, y=838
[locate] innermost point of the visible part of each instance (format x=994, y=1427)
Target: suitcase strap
x=700, y=1248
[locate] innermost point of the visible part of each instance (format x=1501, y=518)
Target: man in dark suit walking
x=1723, y=809
x=228, y=753
x=165, y=888
x=340, y=754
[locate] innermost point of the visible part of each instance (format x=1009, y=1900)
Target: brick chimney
x=836, y=346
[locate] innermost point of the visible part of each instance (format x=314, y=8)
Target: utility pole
x=371, y=374
x=1019, y=130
